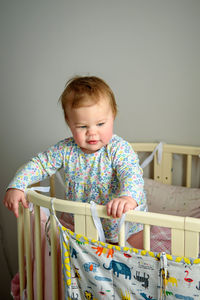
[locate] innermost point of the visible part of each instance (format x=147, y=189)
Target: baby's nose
x=91, y=131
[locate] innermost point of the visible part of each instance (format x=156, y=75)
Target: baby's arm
x=118, y=206
x=27, y=175
x=38, y=168
x=130, y=177
x=12, y=199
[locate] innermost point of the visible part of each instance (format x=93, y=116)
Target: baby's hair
x=78, y=89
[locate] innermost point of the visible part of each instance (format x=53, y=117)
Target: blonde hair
x=85, y=91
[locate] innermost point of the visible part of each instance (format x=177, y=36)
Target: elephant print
x=119, y=268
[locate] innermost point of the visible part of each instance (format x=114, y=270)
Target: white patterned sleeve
x=129, y=172
x=38, y=168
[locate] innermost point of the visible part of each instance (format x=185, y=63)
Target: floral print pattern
x=112, y=171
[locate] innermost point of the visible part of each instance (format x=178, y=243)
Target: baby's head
x=83, y=91
x=90, y=109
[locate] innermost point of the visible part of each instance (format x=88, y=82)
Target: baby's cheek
x=108, y=135
x=78, y=138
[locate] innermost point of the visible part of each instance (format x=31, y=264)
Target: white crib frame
x=184, y=230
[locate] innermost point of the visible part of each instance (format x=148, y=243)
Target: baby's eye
x=82, y=127
x=100, y=124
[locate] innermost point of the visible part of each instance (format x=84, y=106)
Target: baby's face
x=92, y=126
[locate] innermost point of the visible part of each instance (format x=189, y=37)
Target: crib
x=184, y=229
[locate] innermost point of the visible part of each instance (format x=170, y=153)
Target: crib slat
x=188, y=170
x=91, y=231
x=27, y=235
x=192, y=229
x=177, y=242
x=191, y=244
x=163, y=171
x=146, y=237
x=167, y=168
x=38, y=254
x=21, y=259
x=121, y=235
x=54, y=262
x=157, y=169
x=79, y=222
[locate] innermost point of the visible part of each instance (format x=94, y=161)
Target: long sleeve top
x=110, y=172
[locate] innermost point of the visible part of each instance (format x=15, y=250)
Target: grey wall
x=147, y=50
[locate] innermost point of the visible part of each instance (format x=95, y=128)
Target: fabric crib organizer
x=96, y=270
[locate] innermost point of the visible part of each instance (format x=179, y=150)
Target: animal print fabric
x=96, y=270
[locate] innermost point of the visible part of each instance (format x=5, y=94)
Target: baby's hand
x=12, y=199
x=118, y=206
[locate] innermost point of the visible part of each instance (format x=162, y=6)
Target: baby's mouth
x=92, y=142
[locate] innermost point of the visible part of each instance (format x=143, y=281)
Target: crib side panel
x=185, y=233
x=185, y=151
x=163, y=172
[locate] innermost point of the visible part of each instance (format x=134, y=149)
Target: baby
x=98, y=165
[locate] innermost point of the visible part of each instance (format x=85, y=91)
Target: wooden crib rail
x=163, y=171
x=185, y=232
